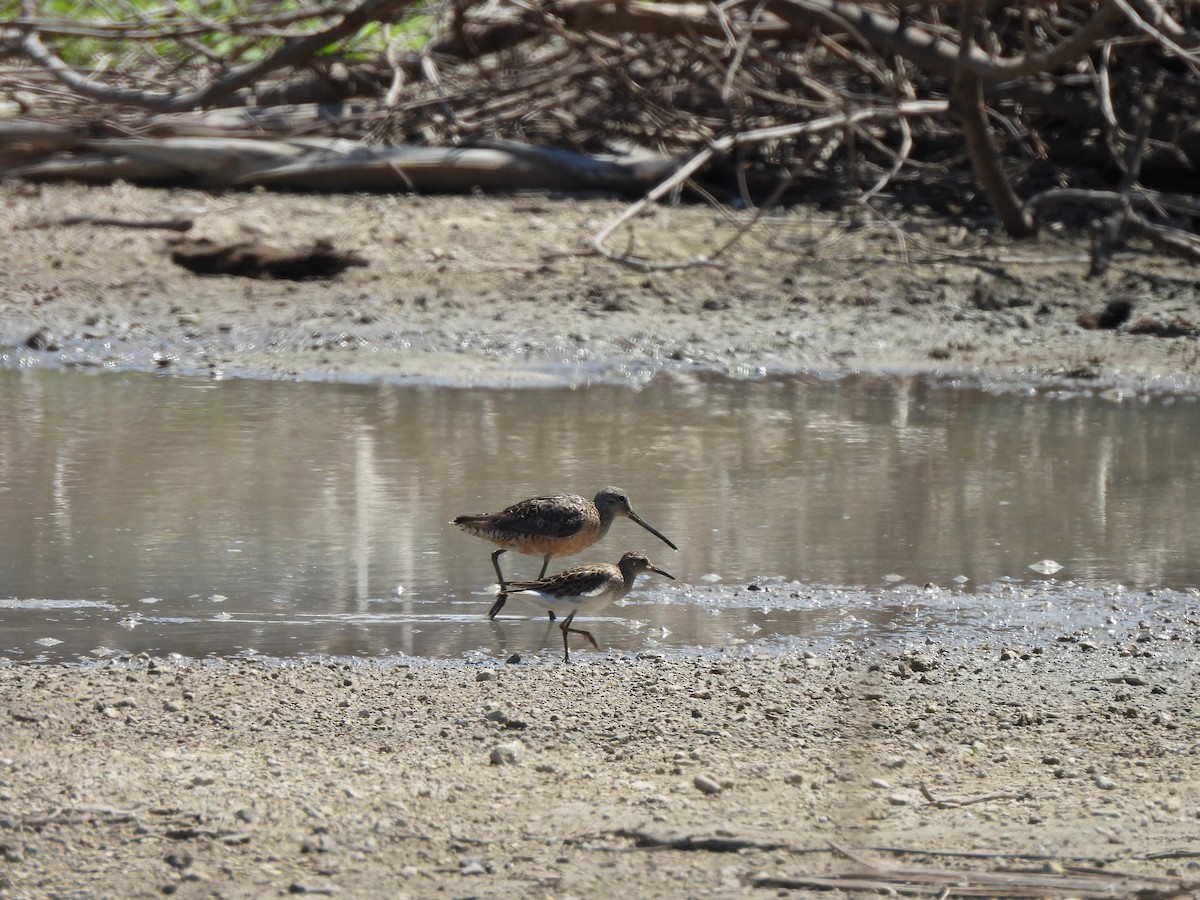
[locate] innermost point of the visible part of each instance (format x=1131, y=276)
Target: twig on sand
x=1054, y=876
x=644, y=840
x=955, y=802
x=166, y=224
x=1050, y=879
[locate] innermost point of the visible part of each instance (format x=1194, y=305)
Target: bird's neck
x=606, y=519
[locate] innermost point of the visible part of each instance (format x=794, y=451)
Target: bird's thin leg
x=545, y=564
x=498, y=605
x=499, y=574
x=566, y=627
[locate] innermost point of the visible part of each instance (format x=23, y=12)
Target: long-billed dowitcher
x=561, y=525
x=585, y=589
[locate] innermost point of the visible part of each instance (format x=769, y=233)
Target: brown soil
x=540, y=779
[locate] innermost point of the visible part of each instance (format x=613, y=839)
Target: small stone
x=793, y=778
x=321, y=843
x=919, y=662
x=485, y=676
x=120, y=703
x=497, y=715
x=506, y=754
x=880, y=783
x=42, y=340
x=706, y=784
x=1103, y=782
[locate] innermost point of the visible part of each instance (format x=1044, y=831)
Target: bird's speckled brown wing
x=559, y=516
x=581, y=581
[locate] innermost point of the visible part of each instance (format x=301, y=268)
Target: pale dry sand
x=546, y=780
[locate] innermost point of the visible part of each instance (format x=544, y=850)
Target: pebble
x=485, y=676
x=706, y=784
x=919, y=662
x=507, y=754
x=121, y=703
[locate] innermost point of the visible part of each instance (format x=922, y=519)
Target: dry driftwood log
x=334, y=164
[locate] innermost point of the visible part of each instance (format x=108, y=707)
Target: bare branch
x=937, y=53
x=701, y=159
x=966, y=102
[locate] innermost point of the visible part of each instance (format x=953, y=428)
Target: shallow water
x=171, y=514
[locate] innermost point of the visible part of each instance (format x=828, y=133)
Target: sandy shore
x=1047, y=767
x=1067, y=767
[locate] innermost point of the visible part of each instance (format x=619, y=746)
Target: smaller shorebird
x=560, y=525
x=585, y=589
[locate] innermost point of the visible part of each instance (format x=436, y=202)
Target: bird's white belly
x=581, y=605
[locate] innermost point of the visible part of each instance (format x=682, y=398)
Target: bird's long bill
x=662, y=571
x=654, y=531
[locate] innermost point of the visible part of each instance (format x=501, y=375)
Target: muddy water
x=167, y=514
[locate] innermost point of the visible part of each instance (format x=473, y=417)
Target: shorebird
x=585, y=589
x=561, y=525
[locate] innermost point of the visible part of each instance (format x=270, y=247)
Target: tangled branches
x=1034, y=107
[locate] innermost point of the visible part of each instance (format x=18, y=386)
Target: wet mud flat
x=504, y=290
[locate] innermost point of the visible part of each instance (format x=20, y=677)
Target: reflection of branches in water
x=1042, y=96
